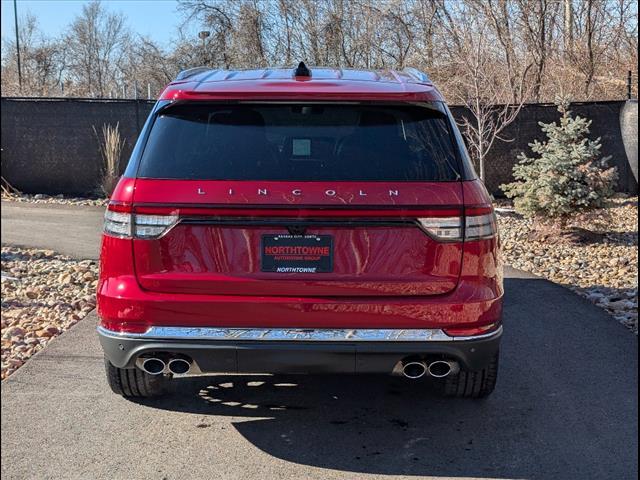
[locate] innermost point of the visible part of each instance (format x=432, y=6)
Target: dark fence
x=50, y=146
x=606, y=120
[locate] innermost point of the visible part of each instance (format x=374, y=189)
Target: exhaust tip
x=414, y=370
x=440, y=368
x=153, y=366
x=179, y=366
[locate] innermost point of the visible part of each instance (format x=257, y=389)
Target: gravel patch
x=604, y=272
x=43, y=294
x=59, y=199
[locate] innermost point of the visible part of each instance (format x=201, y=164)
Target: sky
x=158, y=19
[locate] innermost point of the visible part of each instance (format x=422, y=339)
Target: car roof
x=283, y=84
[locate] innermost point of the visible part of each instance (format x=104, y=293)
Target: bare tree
x=249, y=35
x=500, y=16
x=152, y=65
x=538, y=18
x=425, y=14
x=96, y=44
x=479, y=83
x=569, y=27
x=43, y=62
x=583, y=47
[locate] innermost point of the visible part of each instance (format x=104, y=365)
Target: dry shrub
x=111, y=145
x=8, y=189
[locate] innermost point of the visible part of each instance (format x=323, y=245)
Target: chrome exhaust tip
x=153, y=366
x=179, y=366
x=442, y=368
x=414, y=370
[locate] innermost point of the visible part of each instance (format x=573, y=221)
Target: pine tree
x=567, y=177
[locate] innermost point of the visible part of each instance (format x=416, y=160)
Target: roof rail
x=417, y=75
x=190, y=72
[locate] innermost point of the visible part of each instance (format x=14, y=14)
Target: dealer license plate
x=297, y=253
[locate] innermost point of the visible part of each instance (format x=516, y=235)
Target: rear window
x=315, y=142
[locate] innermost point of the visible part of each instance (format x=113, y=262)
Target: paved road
x=67, y=229
x=565, y=407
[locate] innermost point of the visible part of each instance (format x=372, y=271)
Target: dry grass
x=111, y=145
x=8, y=190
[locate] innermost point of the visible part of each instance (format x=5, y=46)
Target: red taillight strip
x=474, y=210
x=298, y=212
x=120, y=207
x=421, y=215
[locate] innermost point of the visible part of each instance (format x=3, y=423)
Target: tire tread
x=473, y=384
x=133, y=382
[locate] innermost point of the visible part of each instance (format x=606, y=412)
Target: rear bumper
x=124, y=305
x=249, y=350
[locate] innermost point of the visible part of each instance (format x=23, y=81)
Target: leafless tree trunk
x=538, y=28
x=590, y=64
x=568, y=28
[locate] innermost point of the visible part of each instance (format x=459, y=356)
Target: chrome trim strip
x=295, y=334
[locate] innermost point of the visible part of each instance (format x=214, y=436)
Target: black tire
x=133, y=382
x=472, y=384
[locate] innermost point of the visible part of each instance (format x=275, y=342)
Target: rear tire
x=472, y=384
x=133, y=382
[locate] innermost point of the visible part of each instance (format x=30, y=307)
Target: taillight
x=153, y=226
x=478, y=227
x=120, y=222
x=443, y=228
x=117, y=224
x=477, y=224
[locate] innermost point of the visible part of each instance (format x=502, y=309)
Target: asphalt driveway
x=67, y=229
x=565, y=407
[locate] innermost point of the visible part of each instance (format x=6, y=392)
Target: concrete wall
x=49, y=145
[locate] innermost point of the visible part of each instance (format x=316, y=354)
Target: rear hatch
x=299, y=200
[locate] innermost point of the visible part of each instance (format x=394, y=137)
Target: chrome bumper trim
x=295, y=334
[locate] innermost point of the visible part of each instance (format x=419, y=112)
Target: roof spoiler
x=190, y=72
x=303, y=70
x=417, y=75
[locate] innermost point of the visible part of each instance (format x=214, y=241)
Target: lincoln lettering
x=298, y=192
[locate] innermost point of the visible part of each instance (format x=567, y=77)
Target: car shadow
x=565, y=406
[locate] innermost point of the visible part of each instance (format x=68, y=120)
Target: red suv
x=300, y=221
